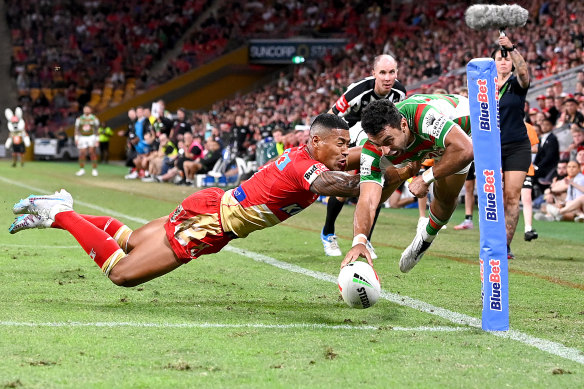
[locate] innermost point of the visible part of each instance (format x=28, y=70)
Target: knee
x=120, y=279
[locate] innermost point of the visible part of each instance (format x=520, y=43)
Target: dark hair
x=378, y=114
x=495, y=53
x=563, y=161
x=328, y=121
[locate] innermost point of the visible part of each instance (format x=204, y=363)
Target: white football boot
x=331, y=246
x=28, y=221
x=46, y=206
x=415, y=251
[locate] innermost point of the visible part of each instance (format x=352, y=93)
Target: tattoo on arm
x=334, y=183
x=520, y=68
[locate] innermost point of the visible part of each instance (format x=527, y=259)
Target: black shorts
x=516, y=156
x=528, y=183
x=471, y=172
x=19, y=148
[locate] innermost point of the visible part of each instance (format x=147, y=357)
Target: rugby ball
x=359, y=285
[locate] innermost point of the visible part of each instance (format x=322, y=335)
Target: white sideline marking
x=550, y=347
x=224, y=325
x=40, y=247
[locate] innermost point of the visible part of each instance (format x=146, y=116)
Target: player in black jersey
x=382, y=84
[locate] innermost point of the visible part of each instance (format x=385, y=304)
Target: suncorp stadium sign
x=277, y=51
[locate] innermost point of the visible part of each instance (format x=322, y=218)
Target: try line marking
x=550, y=347
x=314, y=326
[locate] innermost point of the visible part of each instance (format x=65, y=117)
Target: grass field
x=266, y=313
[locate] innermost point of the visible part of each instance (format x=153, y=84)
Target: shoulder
x=362, y=85
x=400, y=88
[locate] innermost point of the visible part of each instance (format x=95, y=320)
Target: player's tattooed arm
x=335, y=183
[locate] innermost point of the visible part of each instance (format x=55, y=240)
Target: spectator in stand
x=160, y=161
x=547, y=157
x=191, y=151
x=142, y=141
x=180, y=126
x=204, y=165
x=577, y=132
x=572, y=207
x=240, y=136
x=278, y=136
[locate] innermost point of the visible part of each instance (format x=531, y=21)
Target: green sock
x=434, y=224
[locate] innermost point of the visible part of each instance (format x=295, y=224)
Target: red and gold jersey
x=277, y=191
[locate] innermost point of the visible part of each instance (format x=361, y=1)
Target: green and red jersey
x=430, y=118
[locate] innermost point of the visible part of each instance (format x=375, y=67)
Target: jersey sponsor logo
x=366, y=163
x=292, y=209
x=179, y=210
x=313, y=172
x=433, y=124
x=342, y=104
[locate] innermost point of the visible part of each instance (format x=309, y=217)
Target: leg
x=150, y=256
x=527, y=202
x=82, y=157
x=511, y=192
x=422, y=205
x=327, y=236
x=467, y=224
x=446, y=192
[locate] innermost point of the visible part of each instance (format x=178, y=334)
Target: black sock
x=333, y=209
x=374, y=221
x=468, y=217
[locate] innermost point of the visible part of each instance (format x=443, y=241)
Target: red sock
x=104, y=250
x=113, y=227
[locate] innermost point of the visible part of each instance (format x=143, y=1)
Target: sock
x=468, y=217
x=374, y=221
x=104, y=251
x=333, y=208
x=434, y=226
x=113, y=227
x=528, y=228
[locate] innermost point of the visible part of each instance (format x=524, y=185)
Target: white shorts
x=85, y=141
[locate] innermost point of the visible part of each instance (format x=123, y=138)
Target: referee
x=382, y=84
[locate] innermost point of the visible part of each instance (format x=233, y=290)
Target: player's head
x=385, y=73
x=86, y=110
x=385, y=127
x=329, y=141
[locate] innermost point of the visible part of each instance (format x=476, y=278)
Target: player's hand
x=418, y=187
x=357, y=251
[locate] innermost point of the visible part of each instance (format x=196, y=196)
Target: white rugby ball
x=359, y=285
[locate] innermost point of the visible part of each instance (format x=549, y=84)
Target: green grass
x=47, y=278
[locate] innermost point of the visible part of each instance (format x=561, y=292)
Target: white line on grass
x=25, y=246
x=224, y=325
x=454, y=317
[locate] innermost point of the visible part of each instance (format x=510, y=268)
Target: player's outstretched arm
x=335, y=183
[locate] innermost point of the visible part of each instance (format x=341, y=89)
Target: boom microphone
x=487, y=16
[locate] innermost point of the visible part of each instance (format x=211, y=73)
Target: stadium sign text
x=282, y=51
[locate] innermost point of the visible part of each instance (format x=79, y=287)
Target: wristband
x=356, y=240
x=428, y=176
